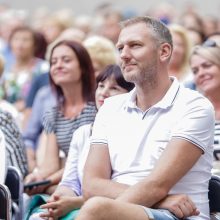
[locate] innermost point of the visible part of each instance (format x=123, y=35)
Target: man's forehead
x=133, y=33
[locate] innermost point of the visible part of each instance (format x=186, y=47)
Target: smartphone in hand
x=29, y=186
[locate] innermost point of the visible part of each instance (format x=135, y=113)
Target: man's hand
x=180, y=205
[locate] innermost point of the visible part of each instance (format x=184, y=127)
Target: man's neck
x=147, y=97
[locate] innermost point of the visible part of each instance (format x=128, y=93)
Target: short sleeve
x=49, y=120
x=197, y=125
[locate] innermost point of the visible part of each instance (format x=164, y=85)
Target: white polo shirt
x=136, y=139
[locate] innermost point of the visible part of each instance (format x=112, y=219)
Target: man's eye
x=120, y=49
x=136, y=45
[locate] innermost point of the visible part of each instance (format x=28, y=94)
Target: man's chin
x=129, y=78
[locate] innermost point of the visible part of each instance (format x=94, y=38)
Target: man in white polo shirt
x=151, y=143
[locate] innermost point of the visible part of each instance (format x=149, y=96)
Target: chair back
x=214, y=197
x=5, y=202
x=14, y=183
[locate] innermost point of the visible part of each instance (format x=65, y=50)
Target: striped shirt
x=55, y=122
x=217, y=140
x=15, y=150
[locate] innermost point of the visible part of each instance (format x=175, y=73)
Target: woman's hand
x=34, y=177
x=59, y=206
x=180, y=205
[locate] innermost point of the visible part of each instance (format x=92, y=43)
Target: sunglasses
x=209, y=43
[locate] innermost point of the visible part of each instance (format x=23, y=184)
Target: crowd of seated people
x=52, y=71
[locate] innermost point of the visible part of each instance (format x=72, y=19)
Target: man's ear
x=165, y=52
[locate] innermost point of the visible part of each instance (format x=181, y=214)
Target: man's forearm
x=144, y=193
x=102, y=187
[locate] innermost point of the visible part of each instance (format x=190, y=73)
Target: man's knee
x=95, y=206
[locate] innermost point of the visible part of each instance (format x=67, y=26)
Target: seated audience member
x=102, y=52
x=15, y=150
x=179, y=62
x=205, y=64
x=72, y=80
x=5, y=105
x=195, y=36
x=68, y=195
x=17, y=78
x=42, y=80
x=152, y=142
x=3, y=158
x=43, y=101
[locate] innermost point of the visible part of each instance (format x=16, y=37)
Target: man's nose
x=125, y=52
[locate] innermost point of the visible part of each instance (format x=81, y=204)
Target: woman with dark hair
x=41, y=46
x=72, y=80
x=68, y=195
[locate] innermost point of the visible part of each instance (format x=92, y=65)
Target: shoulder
x=50, y=115
x=45, y=93
x=193, y=98
x=116, y=102
x=193, y=105
x=7, y=106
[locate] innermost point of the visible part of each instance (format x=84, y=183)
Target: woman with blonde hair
x=205, y=65
x=179, y=62
x=102, y=52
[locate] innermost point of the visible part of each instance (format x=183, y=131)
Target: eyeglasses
x=209, y=43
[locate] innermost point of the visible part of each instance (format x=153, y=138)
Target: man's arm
x=178, y=158
x=97, y=174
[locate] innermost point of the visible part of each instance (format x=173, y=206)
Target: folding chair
x=5, y=203
x=14, y=183
x=214, y=197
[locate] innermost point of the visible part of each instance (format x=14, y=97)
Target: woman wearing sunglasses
x=205, y=65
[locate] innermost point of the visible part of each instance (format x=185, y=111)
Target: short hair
x=101, y=49
x=210, y=53
x=116, y=72
x=159, y=30
x=87, y=74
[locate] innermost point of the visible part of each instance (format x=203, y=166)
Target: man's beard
x=147, y=76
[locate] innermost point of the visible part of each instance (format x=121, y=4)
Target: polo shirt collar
x=164, y=103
